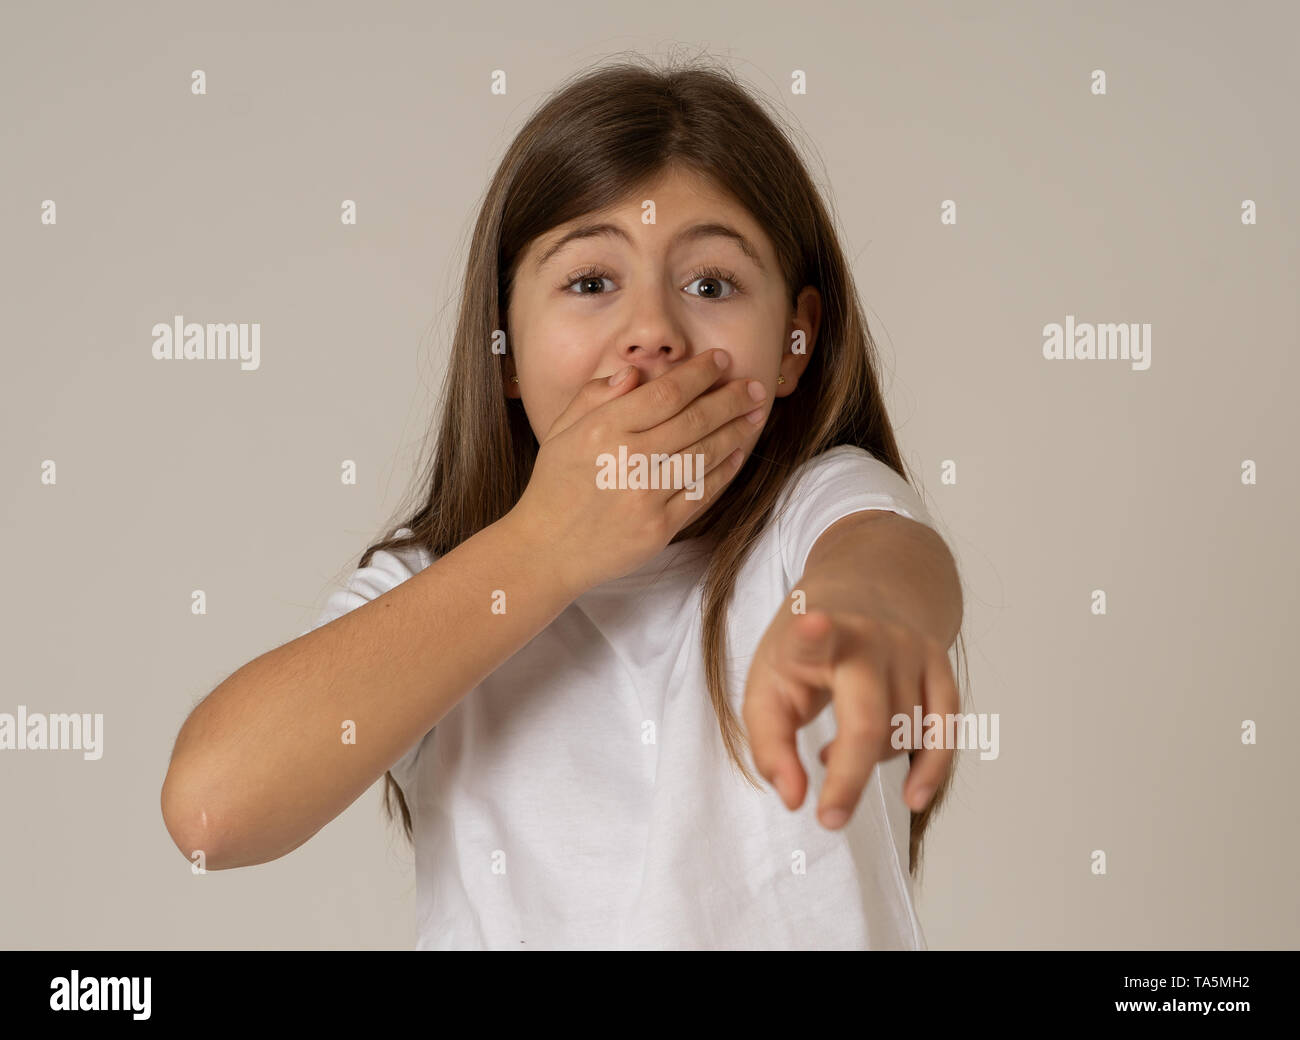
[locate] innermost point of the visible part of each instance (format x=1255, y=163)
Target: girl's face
x=607, y=290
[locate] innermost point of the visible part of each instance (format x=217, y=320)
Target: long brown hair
x=606, y=131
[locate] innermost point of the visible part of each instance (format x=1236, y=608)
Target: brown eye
x=712, y=289
x=713, y=280
x=589, y=279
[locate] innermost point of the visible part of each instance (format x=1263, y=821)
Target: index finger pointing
x=862, y=732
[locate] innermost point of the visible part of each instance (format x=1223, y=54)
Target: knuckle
x=911, y=641
x=896, y=630
x=890, y=630
x=664, y=393
x=693, y=415
x=870, y=626
x=803, y=697
x=864, y=728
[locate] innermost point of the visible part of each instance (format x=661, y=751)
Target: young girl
x=560, y=667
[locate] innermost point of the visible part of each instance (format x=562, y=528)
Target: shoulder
x=388, y=568
x=384, y=571
x=828, y=487
x=850, y=468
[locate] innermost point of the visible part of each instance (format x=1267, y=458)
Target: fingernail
x=619, y=376
x=757, y=390
x=833, y=818
x=756, y=416
x=721, y=358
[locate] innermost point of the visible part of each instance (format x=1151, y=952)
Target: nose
x=653, y=330
x=652, y=338
x=653, y=361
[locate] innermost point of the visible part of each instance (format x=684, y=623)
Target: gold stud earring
x=514, y=379
x=780, y=379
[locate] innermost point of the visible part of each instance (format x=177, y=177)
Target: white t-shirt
x=581, y=797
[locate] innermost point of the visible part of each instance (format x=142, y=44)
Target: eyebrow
x=690, y=234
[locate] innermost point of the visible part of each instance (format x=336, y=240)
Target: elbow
x=191, y=823
x=202, y=828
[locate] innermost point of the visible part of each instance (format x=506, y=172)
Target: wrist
x=533, y=550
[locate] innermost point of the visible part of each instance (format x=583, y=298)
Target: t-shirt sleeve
x=385, y=571
x=846, y=479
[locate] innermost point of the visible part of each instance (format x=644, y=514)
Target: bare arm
x=890, y=604
x=878, y=562
x=259, y=766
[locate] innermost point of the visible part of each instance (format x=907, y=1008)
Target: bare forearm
x=260, y=765
x=878, y=562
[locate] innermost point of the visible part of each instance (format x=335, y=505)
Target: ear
x=807, y=320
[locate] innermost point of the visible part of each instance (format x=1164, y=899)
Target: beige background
x=1119, y=732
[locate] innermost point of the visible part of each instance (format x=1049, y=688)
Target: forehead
x=687, y=208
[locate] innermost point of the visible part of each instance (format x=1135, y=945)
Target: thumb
x=809, y=647
x=594, y=393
